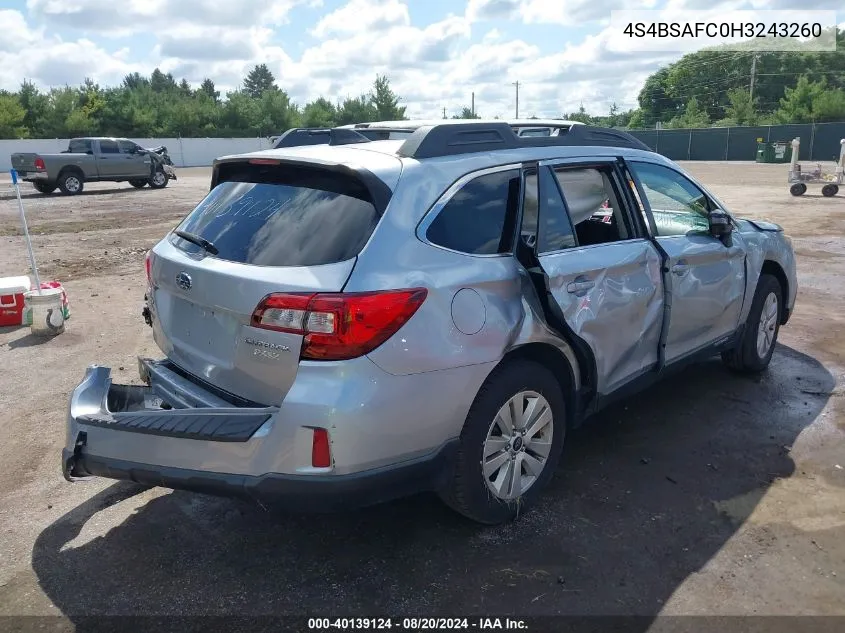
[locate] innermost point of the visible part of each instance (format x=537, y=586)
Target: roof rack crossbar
x=299, y=136
x=449, y=139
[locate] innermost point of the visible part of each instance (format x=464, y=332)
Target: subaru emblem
x=184, y=281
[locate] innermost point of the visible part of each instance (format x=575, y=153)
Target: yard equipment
x=799, y=179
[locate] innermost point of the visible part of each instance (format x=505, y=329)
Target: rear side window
x=480, y=218
x=109, y=147
x=79, y=146
x=283, y=216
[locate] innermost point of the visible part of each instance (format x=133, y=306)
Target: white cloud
x=364, y=15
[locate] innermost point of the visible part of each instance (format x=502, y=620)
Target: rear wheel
x=71, y=183
x=510, y=444
x=828, y=191
x=757, y=344
x=159, y=179
x=138, y=184
x=44, y=187
x=798, y=189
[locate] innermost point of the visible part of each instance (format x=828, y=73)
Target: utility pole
x=753, y=73
x=472, y=109
x=444, y=112
x=516, y=83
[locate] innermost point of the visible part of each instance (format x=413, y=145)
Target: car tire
x=44, y=187
x=472, y=485
x=759, y=337
x=71, y=183
x=138, y=184
x=158, y=180
x=798, y=189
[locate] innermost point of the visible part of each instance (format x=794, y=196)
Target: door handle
x=680, y=269
x=575, y=287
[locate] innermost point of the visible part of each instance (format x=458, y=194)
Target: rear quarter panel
x=56, y=162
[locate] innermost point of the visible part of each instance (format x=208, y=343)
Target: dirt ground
x=709, y=494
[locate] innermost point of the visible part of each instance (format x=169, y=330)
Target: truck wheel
x=510, y=444
x=71, y=183
x=757, y=344
x=159, y=179
x=44, y=187
x=138, y=184
x=798, y=189
x=828, y=191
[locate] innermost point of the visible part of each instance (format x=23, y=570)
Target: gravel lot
x=709, y=494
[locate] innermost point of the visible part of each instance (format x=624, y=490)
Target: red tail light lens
x=339, y=326
x=148, y=265
x=39, y=164
x=321, y=455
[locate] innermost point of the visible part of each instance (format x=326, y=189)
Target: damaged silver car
x=350, y=321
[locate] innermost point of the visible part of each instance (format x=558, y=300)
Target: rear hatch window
x=282, y=215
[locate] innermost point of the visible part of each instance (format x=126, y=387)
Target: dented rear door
x=610, y=294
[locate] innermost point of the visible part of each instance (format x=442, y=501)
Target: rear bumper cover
x=300, y=493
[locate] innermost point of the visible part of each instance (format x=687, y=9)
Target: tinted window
x=109, y=147
x=479, y=219
x=678, y=206
x=79, y=146
x=593, y=206
x=300, y=220
x=127, y=147
x=555, y=230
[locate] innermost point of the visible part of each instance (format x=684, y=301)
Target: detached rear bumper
x=300, y=493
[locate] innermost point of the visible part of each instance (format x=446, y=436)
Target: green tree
x=466, y=113
x=12, y=116
x=319, y=113
x=385, y=101
x=829, y=106
x=208, y=88
x=742, y=109
x=356, y=110
x=796, y=106
x=35, y=104
x=258, y=81
x=161, y=82
x=694, y=116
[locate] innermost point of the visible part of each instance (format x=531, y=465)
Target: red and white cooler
x=12, y=291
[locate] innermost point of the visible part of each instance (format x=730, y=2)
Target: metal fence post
x=689, y=143
x=812, y=139
x=727, y=142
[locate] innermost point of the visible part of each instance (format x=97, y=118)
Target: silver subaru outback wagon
x=351, y=321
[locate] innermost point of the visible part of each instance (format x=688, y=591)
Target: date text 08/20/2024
x=415, y=624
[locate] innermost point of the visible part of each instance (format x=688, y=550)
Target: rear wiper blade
x=199, y=241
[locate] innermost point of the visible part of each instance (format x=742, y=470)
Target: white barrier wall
x=185, y=152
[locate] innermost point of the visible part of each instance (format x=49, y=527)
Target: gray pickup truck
x=93, y=159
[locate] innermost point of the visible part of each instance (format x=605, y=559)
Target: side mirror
x=720, y=224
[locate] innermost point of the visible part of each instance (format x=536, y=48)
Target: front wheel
x=798, y=189
x=754, y=351
x=828, y=191
x=510, y=444
x=138, y=184
x=159, y=179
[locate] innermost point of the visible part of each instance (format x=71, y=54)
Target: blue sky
x=436, y=52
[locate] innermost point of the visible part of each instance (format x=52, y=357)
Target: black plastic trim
x=449, y=139
x=298, y=137
x=195, y=424
x=300, y=493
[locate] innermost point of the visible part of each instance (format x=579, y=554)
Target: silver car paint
x=379, y=409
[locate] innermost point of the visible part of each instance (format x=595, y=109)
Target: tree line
x=159, y=106
x=703, y=89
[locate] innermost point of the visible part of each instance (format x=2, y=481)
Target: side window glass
x=678, y=206
x=480, y=218
x=126, y=147
x=530, y=209
x=555, y=227
x=595, y=208
x=79, y=146
x=109, y=147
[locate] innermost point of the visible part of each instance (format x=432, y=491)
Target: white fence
x=185, y=152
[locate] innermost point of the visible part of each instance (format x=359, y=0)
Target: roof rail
x=299, y=136
x=450, y=139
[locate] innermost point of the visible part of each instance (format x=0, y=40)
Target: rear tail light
x=148, y=265
x=339, y=326
x=321, y=454
x=39, y=164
